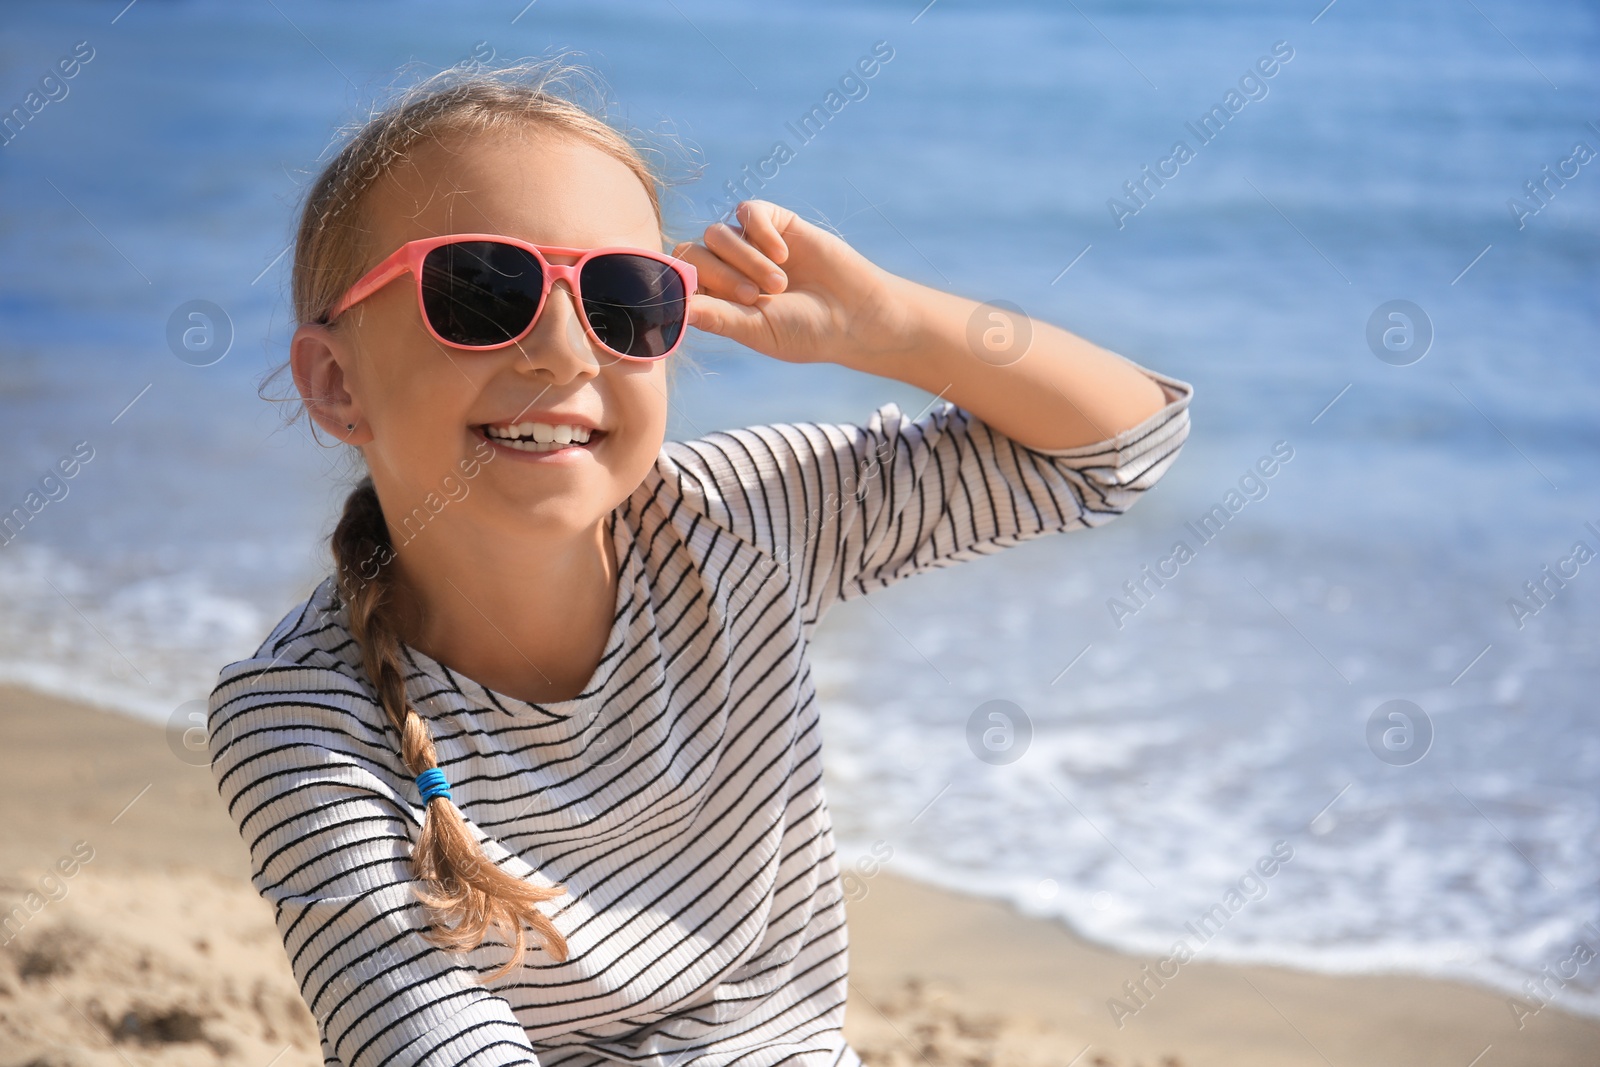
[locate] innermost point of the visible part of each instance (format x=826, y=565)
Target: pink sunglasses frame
x=409, y=256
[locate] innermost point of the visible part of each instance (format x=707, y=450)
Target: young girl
x=558, y=682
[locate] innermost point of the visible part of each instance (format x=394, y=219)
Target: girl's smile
x=544, y=436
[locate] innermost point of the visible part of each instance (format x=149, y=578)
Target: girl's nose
x=559, y=344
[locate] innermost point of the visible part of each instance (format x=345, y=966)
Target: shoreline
x=937, y=976
x=1152, y=963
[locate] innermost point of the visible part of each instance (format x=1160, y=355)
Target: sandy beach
x=133, y=937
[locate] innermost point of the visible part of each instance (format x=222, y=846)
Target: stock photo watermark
x=417, y=519
x=1540, y=992
x=53, y=87
x=1247, y=889
x=999, y=332
x=605, y=745
x=1541, y=188
x=1399, y=332
x=52, y=488
x=853, y=486
x=1252, y=486
x=852, y=86
x=1538, y=593
x=999, y=732
x=1252, y=86
x=186, y=733
x=1399, y=732
x=199, y=332
x=855, y=877
x=52, y=888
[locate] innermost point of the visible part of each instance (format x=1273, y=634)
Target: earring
x=349, y=426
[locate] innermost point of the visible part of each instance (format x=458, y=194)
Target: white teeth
x=539, y=436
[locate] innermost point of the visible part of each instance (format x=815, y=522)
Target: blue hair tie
x=432, y=784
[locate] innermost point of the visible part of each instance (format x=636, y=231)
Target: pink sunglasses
x=485, y=291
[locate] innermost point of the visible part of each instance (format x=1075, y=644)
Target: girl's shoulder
x=301, y=704
x=310, y=659
x=313, y=633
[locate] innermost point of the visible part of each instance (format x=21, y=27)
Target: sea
x=1354, y=730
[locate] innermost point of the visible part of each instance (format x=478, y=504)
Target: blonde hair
x=459, y=881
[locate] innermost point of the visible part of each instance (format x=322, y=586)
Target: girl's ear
x=316, y=357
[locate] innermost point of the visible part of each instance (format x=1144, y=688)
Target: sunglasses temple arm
x=375, y=279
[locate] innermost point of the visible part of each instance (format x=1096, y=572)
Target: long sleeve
x=302, y=761
x=845, y=509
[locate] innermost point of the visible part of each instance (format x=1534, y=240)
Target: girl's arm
x=1034, y=382
x=301, y=759
x=838, y=510
x=1050, y=390
x=1057, y=435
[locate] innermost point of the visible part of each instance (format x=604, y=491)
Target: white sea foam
x=1160, y=768
x=144, y=646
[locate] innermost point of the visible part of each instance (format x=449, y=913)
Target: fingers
x=739, y=263
x=737, y=322
x=717, y=277
x=736, y=250
x=763, y=221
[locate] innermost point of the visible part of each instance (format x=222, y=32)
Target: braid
x=331, y=253
x=458, y=880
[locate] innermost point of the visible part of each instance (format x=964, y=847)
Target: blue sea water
x=1170, y=746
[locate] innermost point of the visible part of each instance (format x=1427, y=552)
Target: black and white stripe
x=679, y=798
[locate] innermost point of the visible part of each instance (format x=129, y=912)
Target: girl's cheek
x=653, y=428
x=639, y=397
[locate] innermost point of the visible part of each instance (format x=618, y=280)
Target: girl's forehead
x=542, y=187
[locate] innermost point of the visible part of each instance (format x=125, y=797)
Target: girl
x=557, y=683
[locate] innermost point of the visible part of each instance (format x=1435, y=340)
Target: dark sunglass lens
x=636, y=305
x=480, y=293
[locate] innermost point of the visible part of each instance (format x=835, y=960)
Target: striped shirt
x=678, y=798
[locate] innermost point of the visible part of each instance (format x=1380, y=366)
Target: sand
x=155, y=949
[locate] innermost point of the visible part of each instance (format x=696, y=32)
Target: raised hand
x=794, y=291
x=798, y=293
